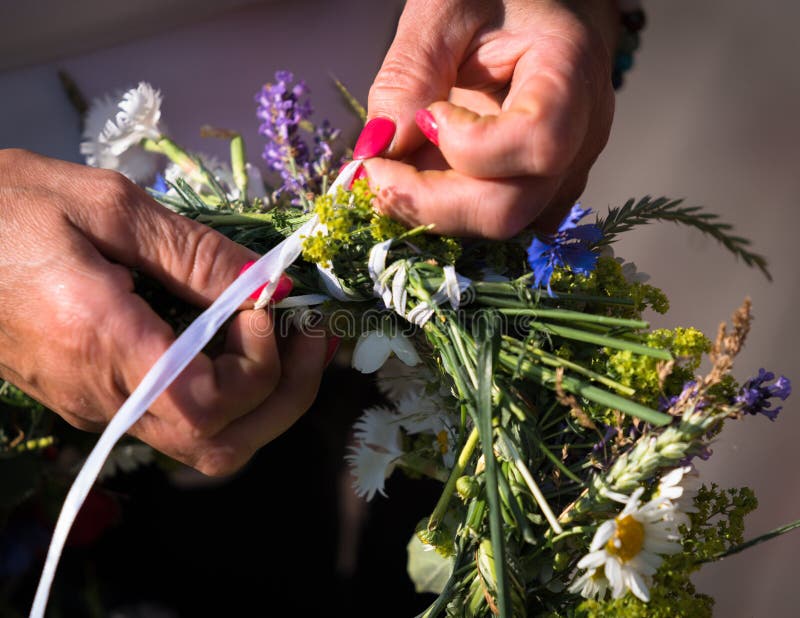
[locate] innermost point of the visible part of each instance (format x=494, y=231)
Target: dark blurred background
x=709, y=113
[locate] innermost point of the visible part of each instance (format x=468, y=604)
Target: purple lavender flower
x=568, y=247
x=282, y=107
x=324, y=135
x=755, y=395
x=688, y=388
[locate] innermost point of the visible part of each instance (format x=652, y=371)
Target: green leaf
x=663, y=209
x=428, y=569
x=488, y=340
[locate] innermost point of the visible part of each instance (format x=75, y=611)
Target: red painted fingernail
x=361, y=174
x=428, y=125
x=374, y=139
x=257, y=293
x=333, y=346
x=283, y=289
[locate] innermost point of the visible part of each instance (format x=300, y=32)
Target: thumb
x=420, y=67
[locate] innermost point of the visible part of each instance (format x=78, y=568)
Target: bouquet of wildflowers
x=520, y=374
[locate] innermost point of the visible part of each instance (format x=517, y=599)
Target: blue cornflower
x=755, y=394
x=160, y=184
x=567, y=248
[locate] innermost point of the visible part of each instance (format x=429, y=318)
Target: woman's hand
x=75, y=336
x=515, y=99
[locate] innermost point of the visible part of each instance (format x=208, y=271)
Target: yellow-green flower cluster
x=608, y=280
x=352, y=222
x=641, y=373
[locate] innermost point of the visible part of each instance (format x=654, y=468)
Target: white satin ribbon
x=164, y=372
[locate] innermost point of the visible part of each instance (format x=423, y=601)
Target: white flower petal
x=638, y=587
x=138, y=117
x=603, y=534
x=370, y=469
x=405, y=350
x=371, y=351
x=379, y=429
x=593, y=560
x=614, y=576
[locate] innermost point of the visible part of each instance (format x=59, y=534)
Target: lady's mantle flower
x=755, y=394
x=378, y=446
x=625, y=551
x=567, y=248
x=374, y=348
x=115, y=127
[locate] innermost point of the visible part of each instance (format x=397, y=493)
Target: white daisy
x=374, y=348
x=113, y=128
x=679, y=488
x=378, y=438
x=629, y=547
x=591, y=585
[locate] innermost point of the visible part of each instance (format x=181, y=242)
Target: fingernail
x=374, y=139
x=361, y=174
x=333, y=346
x=282, y=290
x=257, y=293
x=427, y=124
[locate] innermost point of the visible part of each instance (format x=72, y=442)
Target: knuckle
x=15, y=155
x=118, y=190
x=218, y=461
x=203, y=246
x=403, y=75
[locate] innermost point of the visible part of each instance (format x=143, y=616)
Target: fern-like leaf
x=647, y=209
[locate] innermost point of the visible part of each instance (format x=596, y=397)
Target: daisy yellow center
x=441, y=439
x=627, y=540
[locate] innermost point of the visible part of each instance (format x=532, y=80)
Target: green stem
x=570, y=384
x=609, y=342
x=176, y=154
x=556, y=361
x=487, y=354
x=533, y=486
x=458, y=469
x=239, y=165
x=577, y=316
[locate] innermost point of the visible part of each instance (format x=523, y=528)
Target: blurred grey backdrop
x=708, y=114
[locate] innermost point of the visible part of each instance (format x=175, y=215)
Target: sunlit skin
x=522, y=96
x=74, y=335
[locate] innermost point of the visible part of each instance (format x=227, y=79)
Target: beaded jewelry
x=632, y=20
